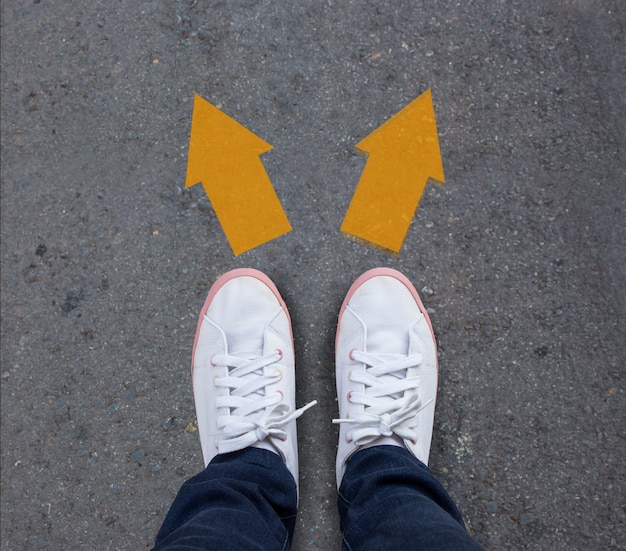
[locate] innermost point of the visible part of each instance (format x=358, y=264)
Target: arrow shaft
x=247, y=206
x=381, y=209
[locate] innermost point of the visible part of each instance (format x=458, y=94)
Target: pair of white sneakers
x=243, y=368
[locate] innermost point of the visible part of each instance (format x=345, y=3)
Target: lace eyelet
x=212, y=361
x=278, y=373
x=214, y=381
x=282, y=396
x=280, y=353
x=350, y=355
x=349, y=396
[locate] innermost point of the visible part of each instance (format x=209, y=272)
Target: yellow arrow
x=401, y=154
x=224, y=156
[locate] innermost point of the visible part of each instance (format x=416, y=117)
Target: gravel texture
x=107, y=259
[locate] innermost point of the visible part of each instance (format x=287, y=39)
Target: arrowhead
x=408, y=142
x=217, y=140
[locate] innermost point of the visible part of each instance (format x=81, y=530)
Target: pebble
x=168, y=423
x=526, y=518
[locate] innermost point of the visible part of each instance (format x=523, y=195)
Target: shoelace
x=254, y=414
x=388, y=408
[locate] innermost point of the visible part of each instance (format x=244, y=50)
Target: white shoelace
x=253, y=414
x=388, y=408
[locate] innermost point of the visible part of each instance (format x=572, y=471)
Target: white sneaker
x=386, y=363
x=243, y=369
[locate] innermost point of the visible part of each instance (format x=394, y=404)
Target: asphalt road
x=107, y=259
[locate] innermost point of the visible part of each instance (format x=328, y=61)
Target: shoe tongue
x=389, y=342
x=385, y=317
x=245, y=325
x=246, y=355
x=246, y=338
x=244, y=348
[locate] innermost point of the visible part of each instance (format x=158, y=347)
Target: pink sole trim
x=219, y=283
x=389, y=272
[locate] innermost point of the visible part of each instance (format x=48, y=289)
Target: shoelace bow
x=388, y=408
x=253, y=414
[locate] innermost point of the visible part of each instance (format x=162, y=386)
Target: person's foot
x=243, y=369
x=386, y=362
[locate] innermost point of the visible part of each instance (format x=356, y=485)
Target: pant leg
x=388, y=499
x=242, y=500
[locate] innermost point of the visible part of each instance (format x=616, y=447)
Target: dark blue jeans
x=247, y=500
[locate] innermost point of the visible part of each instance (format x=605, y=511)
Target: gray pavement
x=106, y=259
